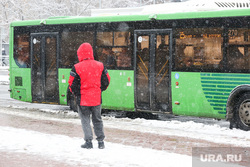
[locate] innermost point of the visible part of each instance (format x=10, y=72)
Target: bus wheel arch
x=238, y=108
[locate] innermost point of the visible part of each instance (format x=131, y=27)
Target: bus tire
x=241, y=119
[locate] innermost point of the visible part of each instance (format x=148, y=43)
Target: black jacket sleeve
x=104, y=79
x=75, y=86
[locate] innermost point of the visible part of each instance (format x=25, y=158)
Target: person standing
x=87, y=80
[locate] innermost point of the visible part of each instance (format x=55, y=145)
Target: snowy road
x=50, y=135
x=57, y=138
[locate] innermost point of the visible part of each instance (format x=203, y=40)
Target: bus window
x=123, y=54
x=143, y=58
x=22, y=51
x=238, y=57
x=162, y=70
x=198, y=48
x=123, y=58
x=113, y=49
x=121, y=38
x=70, y=42
x=107, y=56
x=104, y=38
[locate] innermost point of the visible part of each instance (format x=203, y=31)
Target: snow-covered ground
x=4, y=78
x=191, y=129
x=67, y=149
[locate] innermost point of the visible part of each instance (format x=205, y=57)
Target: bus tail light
x=177, y=103
x=63, y=95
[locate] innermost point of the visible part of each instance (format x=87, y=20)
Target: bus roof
x=178, y=6
x=138, y=17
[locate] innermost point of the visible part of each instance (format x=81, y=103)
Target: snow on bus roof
x=175, y=7
x=174, y=10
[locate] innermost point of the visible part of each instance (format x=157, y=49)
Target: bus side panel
x=20, y=83
x=218, y=86
x=204, y=94
x=187, y=90
x=63, y=77
x=120, y=93
x=11, y=47
x=118, y=96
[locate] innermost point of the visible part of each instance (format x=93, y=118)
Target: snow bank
x=190, y=129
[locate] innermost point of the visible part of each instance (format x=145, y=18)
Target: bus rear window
x=199, y=48
x=22, y=50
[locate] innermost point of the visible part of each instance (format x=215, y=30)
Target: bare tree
x=5, y=9
x=13, y=10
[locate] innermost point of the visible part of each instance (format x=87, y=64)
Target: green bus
x=187, y=63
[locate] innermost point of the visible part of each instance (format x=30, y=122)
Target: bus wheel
x=242, y=112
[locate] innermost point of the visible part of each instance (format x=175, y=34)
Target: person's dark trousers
x=84, y=113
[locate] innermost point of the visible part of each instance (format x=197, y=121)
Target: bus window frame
x=226, y=23
x=114, y=28
x=244, y=44
x=195, y=68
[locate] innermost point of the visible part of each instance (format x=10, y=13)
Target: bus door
x=152, y=57
x=44, y=56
